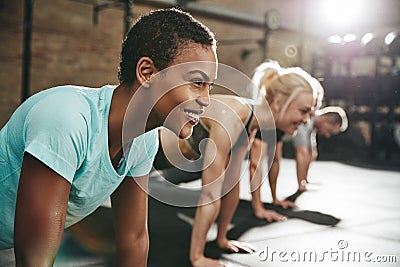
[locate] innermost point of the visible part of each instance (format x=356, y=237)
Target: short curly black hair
x=160, y=36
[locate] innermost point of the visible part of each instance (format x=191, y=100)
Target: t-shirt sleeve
x=56, y=134
x=302, y=137
x=142, y=153
x=313, y=139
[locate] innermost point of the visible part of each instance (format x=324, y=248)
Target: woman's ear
x=144, y=69
x=277, y=104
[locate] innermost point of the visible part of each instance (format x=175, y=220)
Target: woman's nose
x=203, y=101
x=204, y=98
x=306, y=117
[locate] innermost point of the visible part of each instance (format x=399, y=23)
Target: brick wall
x=67, y=48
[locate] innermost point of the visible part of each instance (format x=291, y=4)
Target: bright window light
x=390, y=37
x=334, y=39
x=342, y=12
x=367, y=38
x=349, y=37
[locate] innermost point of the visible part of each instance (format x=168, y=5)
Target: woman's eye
x=198, y=82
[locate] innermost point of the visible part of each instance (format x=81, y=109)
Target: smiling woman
x=63, y=146
x=191, y=74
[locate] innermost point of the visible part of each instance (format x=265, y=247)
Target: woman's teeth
x=192, y=115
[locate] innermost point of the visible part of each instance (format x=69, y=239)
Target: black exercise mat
x=170, y=235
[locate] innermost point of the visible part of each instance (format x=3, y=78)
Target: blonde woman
x=290, y=96
x=258, y=152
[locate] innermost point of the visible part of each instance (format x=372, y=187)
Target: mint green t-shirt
x=66, y=128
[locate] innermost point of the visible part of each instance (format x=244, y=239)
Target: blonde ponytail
x=272, y=80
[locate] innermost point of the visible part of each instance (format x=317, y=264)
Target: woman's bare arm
x=42, y=202
x=209, y=203
x=129, y=204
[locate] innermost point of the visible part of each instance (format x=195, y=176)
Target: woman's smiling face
x=297, y=113
x=188, y=80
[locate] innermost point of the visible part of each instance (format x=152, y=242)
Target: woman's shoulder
x=235, y=103
x=68, y=107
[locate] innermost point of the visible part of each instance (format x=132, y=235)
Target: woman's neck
x=127, y=118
